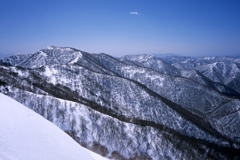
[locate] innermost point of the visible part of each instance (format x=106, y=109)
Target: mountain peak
x=185, y=106
x=49, y=56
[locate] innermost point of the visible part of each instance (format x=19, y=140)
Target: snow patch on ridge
x=41, y=53
x=79, y=55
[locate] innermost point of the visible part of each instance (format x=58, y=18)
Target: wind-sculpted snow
x=128, y=108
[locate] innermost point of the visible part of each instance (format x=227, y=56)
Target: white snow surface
x=76, y=59
x=25, y=135
x=95, y=155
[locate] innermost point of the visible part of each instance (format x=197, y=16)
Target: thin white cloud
x=135, y=13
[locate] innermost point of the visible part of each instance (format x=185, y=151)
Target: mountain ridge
x=129, y=91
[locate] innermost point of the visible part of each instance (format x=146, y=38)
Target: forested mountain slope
x=134, y=107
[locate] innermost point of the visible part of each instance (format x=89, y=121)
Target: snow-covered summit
x=159, y=110
x=48, y=56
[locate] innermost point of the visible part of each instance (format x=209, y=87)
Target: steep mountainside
x=194, y=69
x=26, y=135
x=225, y=70
x=135, y=107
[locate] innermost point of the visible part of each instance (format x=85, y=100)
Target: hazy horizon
x=5, y=55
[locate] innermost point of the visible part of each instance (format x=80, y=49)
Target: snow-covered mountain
x=25, y=135
x=225, y=70
x=134, y=107
x=48, y=56
x=224, y=75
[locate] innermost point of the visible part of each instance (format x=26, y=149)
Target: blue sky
x=186, y=27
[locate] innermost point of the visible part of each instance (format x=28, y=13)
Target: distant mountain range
x=133, y=107
x=4, y=55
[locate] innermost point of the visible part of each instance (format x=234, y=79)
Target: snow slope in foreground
x=25, y=135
